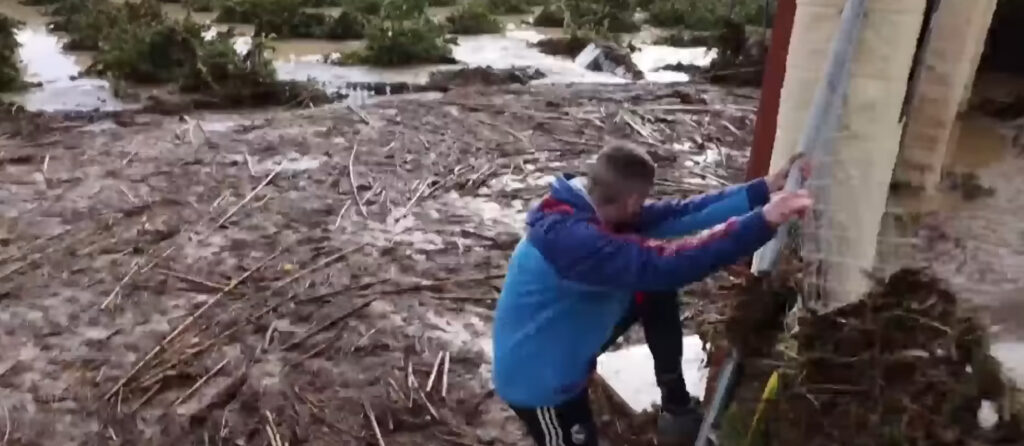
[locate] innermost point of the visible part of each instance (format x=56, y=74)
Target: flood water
x=62, y=88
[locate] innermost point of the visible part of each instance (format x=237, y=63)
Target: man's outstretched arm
x=678, y=218
x=583, y=252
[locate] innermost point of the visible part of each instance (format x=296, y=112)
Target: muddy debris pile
x=444, y=80
x=315, y=276
x=905, y=365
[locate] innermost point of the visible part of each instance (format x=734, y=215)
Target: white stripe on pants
x=549, y=424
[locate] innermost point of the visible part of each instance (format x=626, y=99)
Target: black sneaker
x=679, y=426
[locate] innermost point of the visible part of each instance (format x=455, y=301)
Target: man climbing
x=574, y=281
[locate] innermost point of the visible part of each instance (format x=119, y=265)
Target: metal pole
x=816, y=138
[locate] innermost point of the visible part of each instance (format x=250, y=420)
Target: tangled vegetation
x=88, y=22
x=550, y=16
x=10, y=75
x=287, y=18
x=473, y=18
x=704, y=15
x=403, y=34
x=600, y=16
x=200, y=5
x=135, y=42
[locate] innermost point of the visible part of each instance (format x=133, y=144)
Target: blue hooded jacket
x=570, y=280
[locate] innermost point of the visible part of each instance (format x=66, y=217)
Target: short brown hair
x=620, y=169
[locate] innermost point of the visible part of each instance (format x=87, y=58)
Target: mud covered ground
x=299, y=277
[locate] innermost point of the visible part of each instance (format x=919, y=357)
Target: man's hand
x=786, y=206
x=777, y=180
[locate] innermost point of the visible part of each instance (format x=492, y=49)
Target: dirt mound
x=905, y=365
x=483, y=77
x=569, y=46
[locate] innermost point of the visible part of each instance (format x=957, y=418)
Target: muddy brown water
x=977, y=246
x=45, y=62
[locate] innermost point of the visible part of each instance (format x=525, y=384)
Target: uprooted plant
x=473, y=18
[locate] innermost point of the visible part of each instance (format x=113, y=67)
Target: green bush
x=404, y=34
x=550, y=16
x=600, y=16
x=473, y=18
x=87, y=22
x=704, y=15
x=177, y=52
x=10, y=74
x=365, y=7
x=347, y=25
x=509, y=7
x=287, y=18
x=200, y=5
x=442, y=3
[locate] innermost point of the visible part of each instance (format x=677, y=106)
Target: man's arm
x=582, y=252
x=678, y=218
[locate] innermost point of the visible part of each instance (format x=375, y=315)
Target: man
x=572, y=287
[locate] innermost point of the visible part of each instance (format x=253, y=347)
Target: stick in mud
x=316, y=266
x=149, y=357
x=7, y=430
x=117, y=289
x=352, y=179
x=444, y=378
x=360, y=341
x=373, y=422
x=433, y=372
x=200, y=383
x=342, y=213
x=314, y=331
x=251, y=194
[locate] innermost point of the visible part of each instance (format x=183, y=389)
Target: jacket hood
x=566, y=197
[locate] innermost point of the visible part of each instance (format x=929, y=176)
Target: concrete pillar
x=950, y=60
x=853, y=185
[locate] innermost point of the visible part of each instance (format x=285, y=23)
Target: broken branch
x=352, y=179
x=251, y=194
x=177, y=331
x=200, y=383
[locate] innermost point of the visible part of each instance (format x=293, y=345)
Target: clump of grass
x=10, y=74
x=550, y=16
x=473, y=18
x=404, y=34
x=442, y=3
